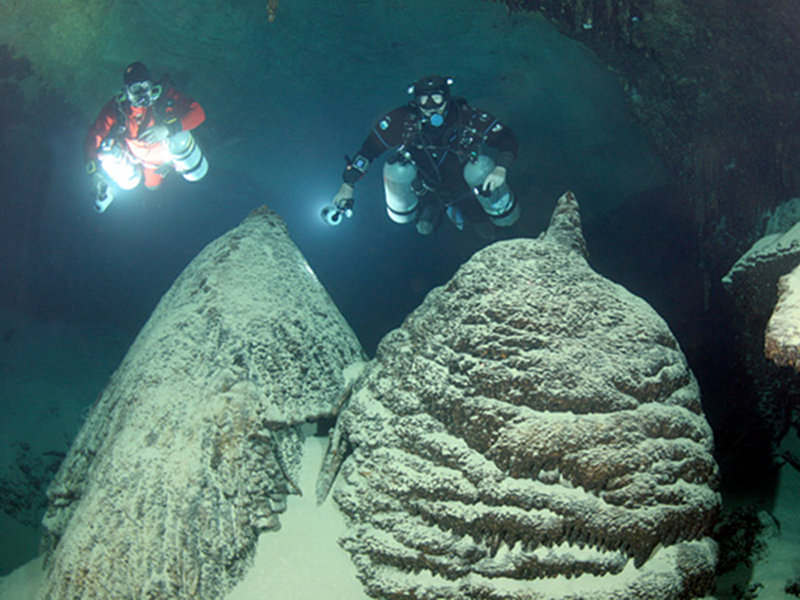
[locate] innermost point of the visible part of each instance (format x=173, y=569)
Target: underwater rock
x=531, y=431
x=190, y=451
x=23, y=481
x=763, y=349
x=782, y=338
x=765, y=284
x=752, y=280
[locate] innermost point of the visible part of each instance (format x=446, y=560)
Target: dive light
x=332, y=215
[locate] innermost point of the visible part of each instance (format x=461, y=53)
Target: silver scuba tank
x=499, y=204
x=187, y=157
x=401, y=201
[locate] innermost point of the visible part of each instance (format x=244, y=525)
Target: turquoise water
x=284, y=102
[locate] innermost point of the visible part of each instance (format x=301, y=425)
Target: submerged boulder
x=192, y=448
x=531, y=431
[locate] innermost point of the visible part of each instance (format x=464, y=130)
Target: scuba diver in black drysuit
x=448, y=159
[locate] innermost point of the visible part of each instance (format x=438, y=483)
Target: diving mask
x=431, y=101
x=143, y=93
x=433, y=107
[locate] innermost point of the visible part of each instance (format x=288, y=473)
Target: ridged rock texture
x=765, y=283
x=782, y=338
x=531, y=431
x=190, y=451
x=753, y=279
x=753, y=283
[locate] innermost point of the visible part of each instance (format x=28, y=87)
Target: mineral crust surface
x=531, y=431
x=192, y=448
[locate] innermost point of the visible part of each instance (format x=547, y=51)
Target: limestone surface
x=782, y=338
x=752, y=281
x=531, y=431
x=765, y=284
x=190, y=451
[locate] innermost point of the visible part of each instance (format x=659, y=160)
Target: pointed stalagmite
x=195, y=443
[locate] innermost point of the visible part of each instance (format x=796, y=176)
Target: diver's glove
x=494, y=179
x=103, y=194
x=343, y=200
x=154, y=134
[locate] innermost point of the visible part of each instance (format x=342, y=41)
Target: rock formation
x=753, y=279
x=23, y=481
x=708, y=83
x=765, y=284
x=531, y=431
x=193, y=446
x=782, y=338
x=766, y=279
x=753, y=283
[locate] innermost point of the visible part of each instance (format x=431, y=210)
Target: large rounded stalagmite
x=192, y=448
x=532, y=431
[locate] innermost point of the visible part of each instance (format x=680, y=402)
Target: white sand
x=781, y=562
x=22, y=583
x=303, y=561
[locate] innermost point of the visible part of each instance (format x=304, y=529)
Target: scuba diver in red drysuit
x=143, y=134
x=448, y=158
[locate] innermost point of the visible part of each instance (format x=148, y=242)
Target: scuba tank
x=118, y=164
x=401, y=200
x=499, y=204
x=187, y=157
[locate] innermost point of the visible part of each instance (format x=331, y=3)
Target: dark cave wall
x=717, y=87
x=26, y=114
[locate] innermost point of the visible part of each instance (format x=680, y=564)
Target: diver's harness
x=114, y=140
x=462, y=139
x=120, y=130
x=160, y=111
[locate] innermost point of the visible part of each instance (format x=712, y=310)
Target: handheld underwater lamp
x=332, y=215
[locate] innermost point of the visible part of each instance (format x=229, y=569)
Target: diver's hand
x=154, y=134
x=343, y=200
x=494, y=179
x=103, y=194
x=100, y=185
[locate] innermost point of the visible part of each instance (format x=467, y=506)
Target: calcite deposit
x=765, y=284
x=193, y=447
x=752, y=280
x=531, y=431
x=782, y=337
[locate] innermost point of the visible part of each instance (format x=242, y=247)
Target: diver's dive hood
x=139, y=87
x=431, y=84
